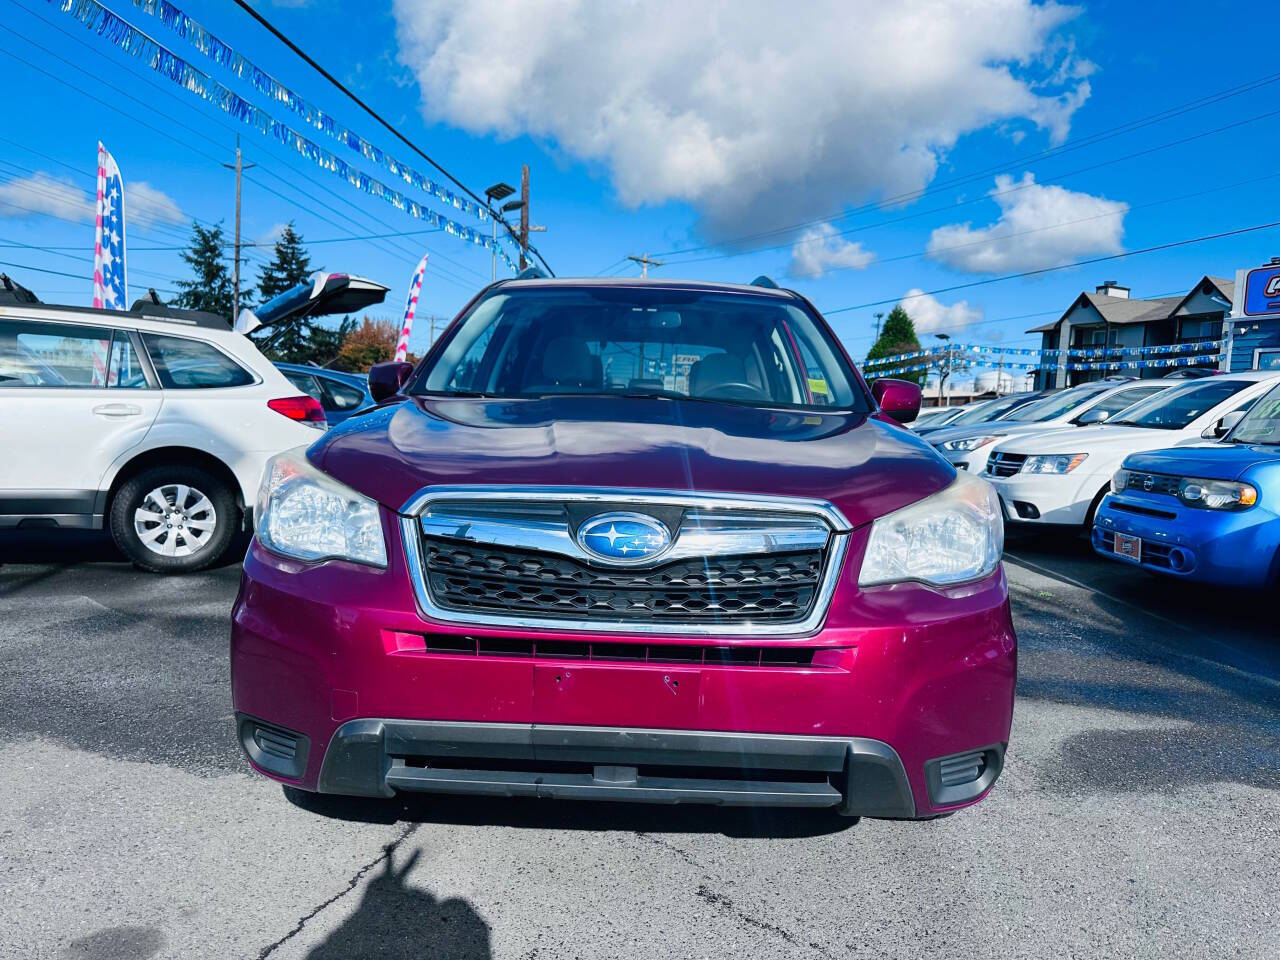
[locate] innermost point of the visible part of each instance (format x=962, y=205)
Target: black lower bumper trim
x=862, y=777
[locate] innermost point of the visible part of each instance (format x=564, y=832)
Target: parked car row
x=1169, y=474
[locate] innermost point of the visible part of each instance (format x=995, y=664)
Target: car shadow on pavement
x=66, y=547
x=531, y=814
x=395, y=920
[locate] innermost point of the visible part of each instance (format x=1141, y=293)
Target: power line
x=279, y=35
x=57, y=273
x=1062, y=266
x=1071, y=145
x=188, y=105
x=1000, y=193
x=359, y=102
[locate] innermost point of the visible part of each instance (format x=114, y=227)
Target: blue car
x=1207, y=512
x=341, y=394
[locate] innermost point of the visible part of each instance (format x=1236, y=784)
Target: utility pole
x=524, y=216
x=879, y=319
x=645, y=263
x=238, y=167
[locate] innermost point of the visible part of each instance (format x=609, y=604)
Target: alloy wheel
x=175, y=520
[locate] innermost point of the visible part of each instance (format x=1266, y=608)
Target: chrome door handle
x=117, y=410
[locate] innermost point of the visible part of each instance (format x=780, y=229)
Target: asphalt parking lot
x=1138, y=816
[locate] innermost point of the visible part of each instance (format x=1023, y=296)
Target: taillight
x=306, y=410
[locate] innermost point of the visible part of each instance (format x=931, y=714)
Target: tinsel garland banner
x=315, y=118
x=164, y=62
x=958, y=354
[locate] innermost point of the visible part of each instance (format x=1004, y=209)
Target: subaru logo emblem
x=624, y=537
x=1148, y=483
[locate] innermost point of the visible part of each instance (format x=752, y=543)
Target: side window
x=183, y=364
x=817, y=379
x=306, y=383
x=125, y=371
x=341, y=395
x=53, y=354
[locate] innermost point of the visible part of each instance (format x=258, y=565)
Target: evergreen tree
x=295, y=341
x=212, y=290
x=897, y=336
x=290, y=265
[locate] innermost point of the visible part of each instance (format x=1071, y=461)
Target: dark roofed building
x=1109, y=317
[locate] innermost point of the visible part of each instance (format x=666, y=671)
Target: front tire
x=174, y=518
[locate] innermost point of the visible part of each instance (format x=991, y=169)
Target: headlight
x=1217, y=494
x=1054, y=463
x=968, y=443
x=307, y=514
x=1119, y=480
x=951, y=537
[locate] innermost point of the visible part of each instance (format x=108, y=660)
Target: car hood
x=1087, y=439
x=864, y=466
x=997, y=428
x=1210, y=461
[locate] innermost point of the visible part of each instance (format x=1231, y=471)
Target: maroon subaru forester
x=629, y=540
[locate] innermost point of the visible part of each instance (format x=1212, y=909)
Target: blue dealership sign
x=1262, y=291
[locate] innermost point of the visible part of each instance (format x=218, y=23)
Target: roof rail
x=13, y=292
x=531, y=273
x=763, y=281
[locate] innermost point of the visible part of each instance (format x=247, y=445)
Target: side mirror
x=1091, y=417
x=1228, y=423
x=899, y=399
x=386, y=379
x=1220, y=428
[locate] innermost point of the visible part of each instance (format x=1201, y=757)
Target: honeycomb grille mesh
x=773, y=588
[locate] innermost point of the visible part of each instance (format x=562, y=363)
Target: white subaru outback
x=153, y=422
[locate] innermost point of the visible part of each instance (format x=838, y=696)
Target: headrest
x=567, y=360
x=715, y=370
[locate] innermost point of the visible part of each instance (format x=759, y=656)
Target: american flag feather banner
x=410, y=308
x=110, y=283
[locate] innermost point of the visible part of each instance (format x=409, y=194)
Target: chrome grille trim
x=721, y=527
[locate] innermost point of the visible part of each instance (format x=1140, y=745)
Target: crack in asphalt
x=726, y=905
x=387, y=851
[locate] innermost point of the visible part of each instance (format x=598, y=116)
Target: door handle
x=117, y=410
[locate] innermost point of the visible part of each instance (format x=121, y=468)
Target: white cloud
x=146, y=205
x=758, y=113
x=41, y=193
x=819, y=249
x=1039, y=226
x=930, y=315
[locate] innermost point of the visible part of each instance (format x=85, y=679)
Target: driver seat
x=715, y=370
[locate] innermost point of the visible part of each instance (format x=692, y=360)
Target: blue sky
x=660, y=127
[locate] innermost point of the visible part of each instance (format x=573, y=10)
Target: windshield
x=989, y=410
x=1054, y=405
x=1176, y=407
x=629, y=341
x=971, y=415
x=1262, y=423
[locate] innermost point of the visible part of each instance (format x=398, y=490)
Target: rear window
x=629, y=341
x=183, y=364
x=1173, y=409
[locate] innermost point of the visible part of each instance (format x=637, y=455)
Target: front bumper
x=1049, y=499
x=1226, y=548
x=904, y=694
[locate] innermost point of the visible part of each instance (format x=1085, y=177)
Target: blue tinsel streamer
x=137, y=44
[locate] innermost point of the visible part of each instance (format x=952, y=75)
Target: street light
x=499, y=191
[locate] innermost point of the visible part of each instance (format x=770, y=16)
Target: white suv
x=153, y=422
